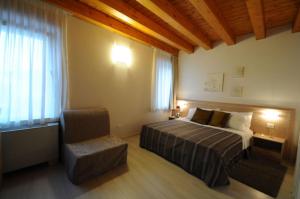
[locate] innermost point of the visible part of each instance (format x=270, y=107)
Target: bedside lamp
x=177, y=115
x=271, y=116
x=181, y=106
x=176, y=112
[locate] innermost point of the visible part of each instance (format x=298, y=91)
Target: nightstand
x=172, y=117
x=271, y=146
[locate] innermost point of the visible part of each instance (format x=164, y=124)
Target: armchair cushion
x=83, y=124
x=93, y=157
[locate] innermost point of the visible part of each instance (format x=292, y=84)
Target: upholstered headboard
x=284, y=123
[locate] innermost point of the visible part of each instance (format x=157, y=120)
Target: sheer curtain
x=162, y=81
x=32, y=63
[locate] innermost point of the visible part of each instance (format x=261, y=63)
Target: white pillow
x=193, y=110
x=240, y=120
x=191, y=113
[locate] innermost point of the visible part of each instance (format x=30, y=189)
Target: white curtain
x=162, y=81
x=32, y=63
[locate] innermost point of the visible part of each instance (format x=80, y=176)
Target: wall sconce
x=271, y=116
x=121, y=55
x=182, y=104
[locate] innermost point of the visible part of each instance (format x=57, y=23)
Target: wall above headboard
x=271, y=74
x=284, y=126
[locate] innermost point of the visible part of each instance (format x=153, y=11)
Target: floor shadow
x=54, y=180
x=74, y=191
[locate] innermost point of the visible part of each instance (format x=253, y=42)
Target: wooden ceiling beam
x=168, y=13
x=296, y=26
x=124, y=12
x=209, y=10
x=257, y=18
x=92, y=15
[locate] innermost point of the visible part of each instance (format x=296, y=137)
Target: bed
x=206, y=152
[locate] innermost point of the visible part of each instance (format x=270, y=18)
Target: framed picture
x=214, y=82
x=236, y=91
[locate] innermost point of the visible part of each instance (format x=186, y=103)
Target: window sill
x=20, y=128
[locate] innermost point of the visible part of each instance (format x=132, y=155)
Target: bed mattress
x=203, y=151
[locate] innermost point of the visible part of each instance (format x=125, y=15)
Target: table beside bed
x=271, y=146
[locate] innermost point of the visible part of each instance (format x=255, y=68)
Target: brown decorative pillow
x=202, y=116
x=219, y=119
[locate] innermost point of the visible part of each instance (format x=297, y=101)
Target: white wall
x=272, y=75
x=95, y=81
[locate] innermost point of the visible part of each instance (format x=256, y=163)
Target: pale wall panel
x=95, y=81
x=272, y=71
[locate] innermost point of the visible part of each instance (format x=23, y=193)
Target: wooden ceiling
x=174, y=25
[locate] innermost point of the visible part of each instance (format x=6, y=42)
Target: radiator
x=28, y=147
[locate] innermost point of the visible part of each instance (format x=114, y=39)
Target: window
x=162, y=97
x=31, y=63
